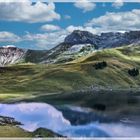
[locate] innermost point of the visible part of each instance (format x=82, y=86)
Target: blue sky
x=43, y=26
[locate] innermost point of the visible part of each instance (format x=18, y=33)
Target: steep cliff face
x=11, y=55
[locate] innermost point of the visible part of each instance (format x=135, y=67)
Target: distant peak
x=78, y=31
x=80, y=37
x=81, y=32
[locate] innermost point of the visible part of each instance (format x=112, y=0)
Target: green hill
x=15, y=131
x=80, y=74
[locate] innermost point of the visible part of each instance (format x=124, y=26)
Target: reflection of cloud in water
x=103, y=130
x=120, y=130
x=79, y=109
x=35, y=115
x=89, y=130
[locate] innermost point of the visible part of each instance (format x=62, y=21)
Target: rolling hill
x=76, y=75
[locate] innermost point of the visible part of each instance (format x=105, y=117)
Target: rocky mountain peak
x=80, y=37
x=133, y=34
x=104, y=40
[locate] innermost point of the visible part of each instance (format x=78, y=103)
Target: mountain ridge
x=96, y=42
x=118, y=38
x=83, y=42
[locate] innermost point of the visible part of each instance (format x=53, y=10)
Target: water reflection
x=35, y=115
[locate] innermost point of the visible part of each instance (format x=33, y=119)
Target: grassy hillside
x=76, y=75
x=15, y=131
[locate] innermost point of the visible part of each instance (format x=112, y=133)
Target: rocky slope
x=10, y=55
x=13, y=55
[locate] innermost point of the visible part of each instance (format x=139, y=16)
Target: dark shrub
x=133, y=72
x=100, y=65
x=100, y=107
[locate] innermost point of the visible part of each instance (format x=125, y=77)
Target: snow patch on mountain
x=10, y=55
x=9, y=46
x=77, y=48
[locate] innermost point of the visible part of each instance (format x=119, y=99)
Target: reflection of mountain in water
x=81, y=116
x=36, y=115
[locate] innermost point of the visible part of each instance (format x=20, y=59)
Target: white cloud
x=67, y=17
x=49, y=27
x=46, y=40
x=121, y=21
x=13, y=1
x=39, y=41
x=110, y=22
x=118, y=3
x=8, y=37
x=28, y=12
x=71, y=28
x=51, y=39
x=85, y=5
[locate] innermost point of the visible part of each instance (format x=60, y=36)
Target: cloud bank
x=9, y=37
x=28, y=12
x=121, y=21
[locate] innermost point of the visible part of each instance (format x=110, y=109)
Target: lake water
x=35, y=115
